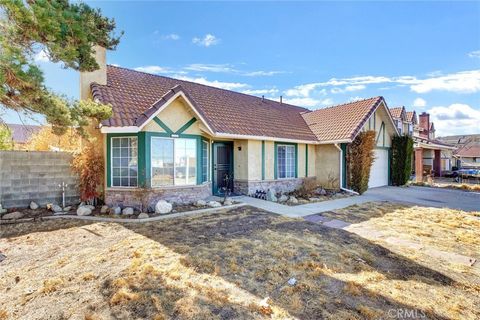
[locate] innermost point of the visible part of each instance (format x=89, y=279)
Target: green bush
x=359, y=159
x=401, y=164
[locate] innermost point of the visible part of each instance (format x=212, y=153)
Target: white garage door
x=379, y=169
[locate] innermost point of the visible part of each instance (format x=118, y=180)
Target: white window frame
x=174, y=179
x=202, y=141
x=294, y=161
x=111, y=163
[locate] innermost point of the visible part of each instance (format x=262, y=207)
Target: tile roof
x=21, y=133
x=471, y=150
x=341, y=122
x=411, y=115
x=133, y=93
x=396, y=112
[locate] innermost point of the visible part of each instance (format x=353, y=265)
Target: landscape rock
x=283, y=198
x=163, y=207
x=33, y=205
x=89, y=206
x=292, y=200
x=56, y=208
x=271, y=196
x=314, y=199
x=115, y=210
x=228, y=202
x=200, y=203
x=104, y=209
x=66, y=209
x=13, y=215
x=143, y=215
x=321, y=192
x=84, y=211
x=127, y=211
x=214, y=204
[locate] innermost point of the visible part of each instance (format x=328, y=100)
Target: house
x=178, y=140
x=469, y=155
x=22, y=133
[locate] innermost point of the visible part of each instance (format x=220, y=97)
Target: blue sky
x=423, y=55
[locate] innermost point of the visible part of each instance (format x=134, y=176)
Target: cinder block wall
x=36, y=176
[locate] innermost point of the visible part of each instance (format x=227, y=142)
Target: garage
x=379, y=169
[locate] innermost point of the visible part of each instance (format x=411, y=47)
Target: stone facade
x=145, y=199
x=36, y=176
x=279, y=186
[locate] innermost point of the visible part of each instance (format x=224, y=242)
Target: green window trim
x=275, y=160
x=109, y=158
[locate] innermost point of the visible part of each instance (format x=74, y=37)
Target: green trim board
x=306, y=160
x=263, y=159
x=163, y=125
x=275, y=160
x=382, y=129
x=343, y=146
x=186, y=126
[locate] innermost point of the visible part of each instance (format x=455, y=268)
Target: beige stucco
x=240, y=159
x=269, y=160
x=375, y=123
x=175, y=115
x=327, y=165
x=311, y=160
x=98, y=76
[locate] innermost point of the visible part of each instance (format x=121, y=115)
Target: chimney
x=281, y=99
x=424, y=125
x=99, y=76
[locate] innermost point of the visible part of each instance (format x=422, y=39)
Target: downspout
x=341, y=171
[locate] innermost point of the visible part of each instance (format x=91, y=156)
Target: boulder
x=33, y=206
x=271, y=196
x=66, y=209
x=163, y=207
x=127, y=211
x=228, y=202
x=84, y=211
x=56, y=208
x=115, y=210
x=13, y=215
x=104, y=210
x=89, y=206
x=292, y=200
x=283, y=198
x=143, y=215
x=320, y=191
x=214, y=204
x=200, y=203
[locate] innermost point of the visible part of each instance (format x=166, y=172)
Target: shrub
x=47, y=140
x=401, y=167
x=5, y=138
x=89, y=166
x=359, y=161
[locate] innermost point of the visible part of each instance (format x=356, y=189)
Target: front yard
x=237, y=264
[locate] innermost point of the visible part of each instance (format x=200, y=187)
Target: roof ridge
x=209, y=86
x=347, y=103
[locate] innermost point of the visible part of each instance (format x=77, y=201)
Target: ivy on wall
x=402, y=151
x=360, y=157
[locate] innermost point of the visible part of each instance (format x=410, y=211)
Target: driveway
x=424, y=196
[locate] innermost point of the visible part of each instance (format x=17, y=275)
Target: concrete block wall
x=36, y=176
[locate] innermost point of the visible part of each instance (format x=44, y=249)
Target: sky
x=422, y=55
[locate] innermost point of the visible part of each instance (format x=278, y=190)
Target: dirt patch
x=233, y=264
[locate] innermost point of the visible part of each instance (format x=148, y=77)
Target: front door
x=222, y=167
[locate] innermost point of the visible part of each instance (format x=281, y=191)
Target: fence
x=36, y=176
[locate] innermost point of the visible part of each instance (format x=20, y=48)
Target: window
x=286, y=161
x=204, y=160
x=410, y=129
x=174, y=161
x=124, y=162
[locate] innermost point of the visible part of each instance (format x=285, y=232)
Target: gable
x=176, y=118
x=381, y=122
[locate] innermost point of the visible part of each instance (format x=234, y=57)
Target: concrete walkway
x=423, y=196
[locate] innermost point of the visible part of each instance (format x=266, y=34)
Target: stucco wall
x=375, y=123
x=240, y=159
x=269, y=160
x=327, y=165
x=254, y=160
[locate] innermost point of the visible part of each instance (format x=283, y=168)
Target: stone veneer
x=280, y=185
x=145, y=199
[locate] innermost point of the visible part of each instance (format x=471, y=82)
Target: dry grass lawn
x=227, y=265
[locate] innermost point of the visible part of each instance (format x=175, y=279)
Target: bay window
x=173, y=161
x=124, y=161
x=286, y=161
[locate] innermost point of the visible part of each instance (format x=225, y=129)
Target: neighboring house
x=177, y=140
x=399, y=115
x=22, y=133
x=468, y=155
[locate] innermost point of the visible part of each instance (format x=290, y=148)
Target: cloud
x=155, y=70
x=459, y=82
x=207, y=41
x=474, y=54
x=228, y=68
x=457, y=118
x=419, y=102
x=351, y=88
x=215, y=83
x=353, y=99
x=171, y=36
x=308, y=102
x=262, y=73
x=41, y=56
x=272, y=91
